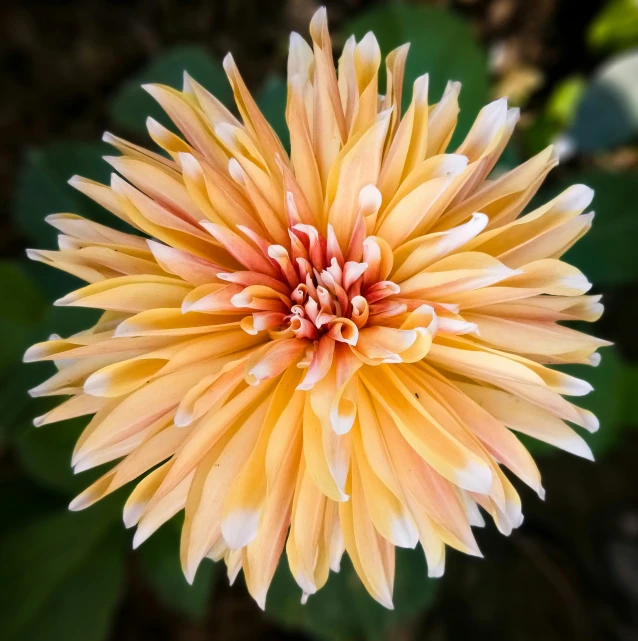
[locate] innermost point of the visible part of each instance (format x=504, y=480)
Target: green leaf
x=615, y=27
x=564, y=99
x=27, y=303
x=83, y=605
x=607, y=115
x=45, y=454
x=607, y=253
x=25, y=307
x=441, y=44
x=51, y=559
x=131, y=105
x=272, y=102
x=557, y=115
x=22, y=502
x=343, y=610
x=159, y=558
x=42, y=187
x=19, y=318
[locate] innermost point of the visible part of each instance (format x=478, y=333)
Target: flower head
x=329, y=350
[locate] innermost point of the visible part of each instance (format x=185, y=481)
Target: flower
x=325, y=351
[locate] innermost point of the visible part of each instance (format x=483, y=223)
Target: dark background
x=68, y=72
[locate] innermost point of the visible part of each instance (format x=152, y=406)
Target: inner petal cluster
x=324, y=292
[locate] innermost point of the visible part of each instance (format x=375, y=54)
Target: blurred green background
x=71, y=70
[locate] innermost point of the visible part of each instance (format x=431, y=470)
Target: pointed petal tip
x=69, y=299
x=385, y=600
x=80, y=502
x=36, y=391
x=228, y=63
x=141, y=535
x=96, y=384
x=151, y=88
x=240, y=527
x=182, y=418
x=590, y=421
x=189, y=162
x=476, y=477
x=83, y=465
x=132, y=513
x=75, y=180
x=31, y=354
x=404, y=532
x=260, y=600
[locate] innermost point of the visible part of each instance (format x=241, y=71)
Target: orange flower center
x=329, y=293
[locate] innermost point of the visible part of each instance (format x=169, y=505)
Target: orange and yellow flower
x=325, y=350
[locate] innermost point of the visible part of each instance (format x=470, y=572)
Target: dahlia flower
x=329, y=350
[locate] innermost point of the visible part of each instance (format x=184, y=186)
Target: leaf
x=441, y=44
x=45, y=454
x=25, y=307
x=159, y=558
x=272, y=102
x=42, y=187
x=19, y=318
x=564, y=99
x=131, y=105
x=49, y=560
x=21, y=502
x=84, y=604
x=343, y=610
x=607, y=253
x=607, y=115
x=557, y=115
x=615, y=27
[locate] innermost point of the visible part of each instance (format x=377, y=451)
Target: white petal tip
x=150, y=88
x=239, y=527
x=475, y=477
x=78, y=503
x=132, y=513
x=65, y=300
x=404, y=532
x=140, y=536
x=182, y=419
x=228, y=62
x=190, y=570
x=82, y=466
x=436, y=571
x=260, y=600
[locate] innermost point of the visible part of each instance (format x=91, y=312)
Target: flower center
x=328, y=292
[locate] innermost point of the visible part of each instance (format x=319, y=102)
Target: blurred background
x=71, y=70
